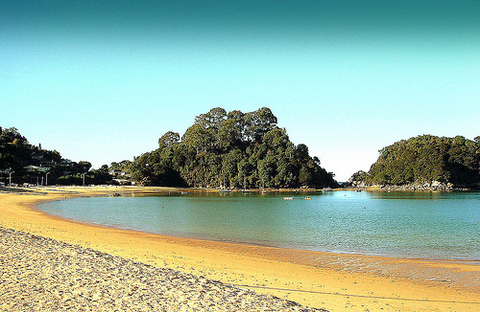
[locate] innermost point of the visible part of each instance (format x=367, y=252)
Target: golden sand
x=337, y=282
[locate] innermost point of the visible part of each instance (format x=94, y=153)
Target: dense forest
x=243, y=150
x=27, y=163
x=425, y=159
x=231, y=150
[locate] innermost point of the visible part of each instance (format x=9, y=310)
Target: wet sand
x=336, y=282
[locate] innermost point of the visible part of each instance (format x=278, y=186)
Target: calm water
x=419, y=225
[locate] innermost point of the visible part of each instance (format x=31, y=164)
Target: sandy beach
x=336, y=282
x=47, y=275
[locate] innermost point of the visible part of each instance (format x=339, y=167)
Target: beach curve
x=336, y=282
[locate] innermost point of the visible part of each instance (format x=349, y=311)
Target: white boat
x=288, y=197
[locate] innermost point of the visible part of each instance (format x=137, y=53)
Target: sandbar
x=336, y=282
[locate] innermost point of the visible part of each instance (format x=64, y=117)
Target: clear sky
x=102, y=80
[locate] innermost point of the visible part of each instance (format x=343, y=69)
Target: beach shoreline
x=45, y=274
x=335, y=282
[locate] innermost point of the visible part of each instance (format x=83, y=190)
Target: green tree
x=258, y=123
x=425, y=159
x=169, y=139
x=267, y=171
x=230, y=131
x=233, y=149
x=304, y=176
x=198, y=138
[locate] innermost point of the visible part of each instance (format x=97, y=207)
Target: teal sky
x=103, y=80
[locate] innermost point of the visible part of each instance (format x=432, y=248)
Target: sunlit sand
x=336, y=282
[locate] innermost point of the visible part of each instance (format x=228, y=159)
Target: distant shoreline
x=156, y=189
x=407, y=188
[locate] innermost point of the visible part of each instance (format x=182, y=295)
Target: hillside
x=31, y=164
x=427, y=159
x=231, y=150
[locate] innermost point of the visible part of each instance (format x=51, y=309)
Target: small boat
x=116, y=194
x=225, y=191
x=307, y=198
x=288, y=197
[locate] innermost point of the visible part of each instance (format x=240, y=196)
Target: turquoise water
x=417, y=225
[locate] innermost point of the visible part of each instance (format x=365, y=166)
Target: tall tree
x=258, y=123
x=232, y=149
x=168, y=139
x=428, y=158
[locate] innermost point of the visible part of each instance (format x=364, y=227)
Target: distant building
x=117, y=173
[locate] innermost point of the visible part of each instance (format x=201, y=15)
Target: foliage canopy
x=428, y=158
x=31, y=164
x=231, y=149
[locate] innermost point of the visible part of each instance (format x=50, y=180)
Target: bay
x=437, y=225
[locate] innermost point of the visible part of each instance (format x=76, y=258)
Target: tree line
x=231, y=150
x=27, y=163
x=425, y=159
